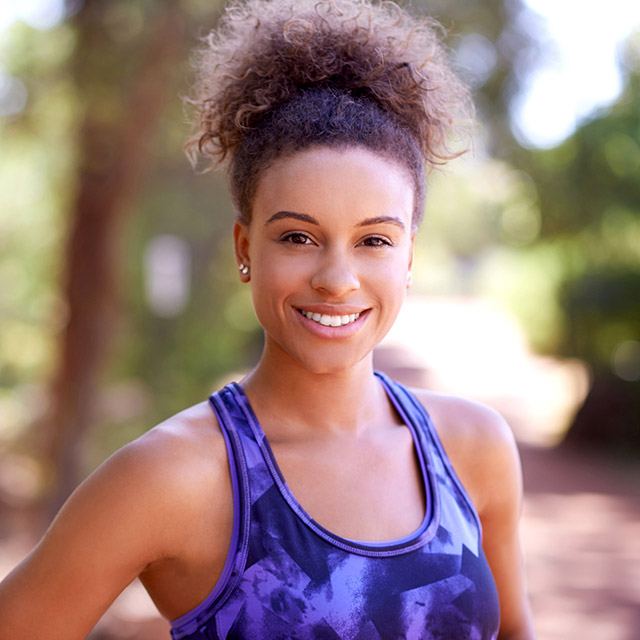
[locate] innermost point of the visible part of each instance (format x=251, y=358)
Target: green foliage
x=555, y=234
x=37, y=157
x=603, y=313
x=590, y=194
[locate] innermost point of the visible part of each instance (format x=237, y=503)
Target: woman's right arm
x=112, y=526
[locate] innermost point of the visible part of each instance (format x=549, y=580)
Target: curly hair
x=278, y=76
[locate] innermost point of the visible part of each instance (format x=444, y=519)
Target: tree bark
x=113, y=157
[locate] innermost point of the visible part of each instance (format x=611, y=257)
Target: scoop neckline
x=419, y=536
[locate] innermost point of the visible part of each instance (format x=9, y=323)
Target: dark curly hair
x=278, y=76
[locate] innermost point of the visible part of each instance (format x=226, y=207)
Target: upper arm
x=107, y=531
x=499, y=510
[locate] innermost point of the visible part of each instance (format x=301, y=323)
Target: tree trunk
x=117, y=127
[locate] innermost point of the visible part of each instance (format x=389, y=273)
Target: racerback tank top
x=288, y=577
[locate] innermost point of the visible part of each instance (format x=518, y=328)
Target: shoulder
x=131, y=512
x=481, y=447
x=483, y=451
x=463, y=423
x=190, y=439
x=162, y=480
x=181, y=451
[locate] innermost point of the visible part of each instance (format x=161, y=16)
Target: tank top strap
x=441, y=467
x=238, y=422
x=231, y=426
x=286, y=574
x=412, y=412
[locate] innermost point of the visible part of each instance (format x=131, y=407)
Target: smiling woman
x=316, y=497
x=341, y=247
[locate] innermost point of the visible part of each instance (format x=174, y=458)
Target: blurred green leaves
x=554, y=234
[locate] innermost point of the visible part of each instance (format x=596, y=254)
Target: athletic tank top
x=288, y=577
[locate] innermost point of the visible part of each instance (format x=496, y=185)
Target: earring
x=244, y=269
x=409, y=278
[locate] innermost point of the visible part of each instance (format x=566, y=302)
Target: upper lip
x=331, y=310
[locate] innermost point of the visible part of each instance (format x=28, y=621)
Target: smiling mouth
x=329, y=321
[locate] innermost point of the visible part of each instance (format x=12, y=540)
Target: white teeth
x=330, y=321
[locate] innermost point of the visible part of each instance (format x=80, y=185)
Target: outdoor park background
x=120, y=305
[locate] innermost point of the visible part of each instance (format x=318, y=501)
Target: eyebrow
x=382, y=220
x=305, y=217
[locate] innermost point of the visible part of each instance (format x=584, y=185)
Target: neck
x=286, y=396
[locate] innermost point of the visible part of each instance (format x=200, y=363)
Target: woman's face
x=329, y=247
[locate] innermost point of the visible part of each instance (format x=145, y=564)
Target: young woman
x=315, y=498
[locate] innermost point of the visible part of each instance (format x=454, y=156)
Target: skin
x=331, y=232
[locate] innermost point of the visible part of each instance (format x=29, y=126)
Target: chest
x=362, y=491
x=292, y=575
x=371, y=490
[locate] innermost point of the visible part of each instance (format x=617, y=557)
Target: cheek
x=277, y=273
x=274, y=278
x=387, y=286
x=390, y=272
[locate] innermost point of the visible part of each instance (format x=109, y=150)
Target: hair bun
x=265, y=52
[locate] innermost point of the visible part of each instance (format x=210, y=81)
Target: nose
x=335, y=275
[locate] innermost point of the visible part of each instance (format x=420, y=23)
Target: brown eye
x=376, y=241
x=296, y=238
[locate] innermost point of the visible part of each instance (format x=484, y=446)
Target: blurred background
x=120, y=305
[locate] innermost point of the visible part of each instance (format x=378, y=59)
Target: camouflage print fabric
x=287, y=577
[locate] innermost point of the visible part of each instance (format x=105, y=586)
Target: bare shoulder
x=191, y=436
x=461, y=422
x=480, y=444
x=127, y=515
x=154, y=486
x=183, y=464
x=483, y=451
x=182, y=460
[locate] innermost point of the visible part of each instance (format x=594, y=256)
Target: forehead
x=335, y=183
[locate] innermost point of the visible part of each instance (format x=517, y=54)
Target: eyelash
x=287, y=237
x=380, y=241
x=383, y=242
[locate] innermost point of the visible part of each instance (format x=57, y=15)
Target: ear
x=411, y=249
x=241, y=246
x=409, y=265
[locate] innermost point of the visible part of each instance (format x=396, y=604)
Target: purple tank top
x=287, y=577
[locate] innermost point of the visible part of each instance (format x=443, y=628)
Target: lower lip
x=343, y=331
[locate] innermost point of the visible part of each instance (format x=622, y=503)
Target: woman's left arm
x=499, y=506
x=483, y=451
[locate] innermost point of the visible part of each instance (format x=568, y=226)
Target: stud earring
x=244, y=269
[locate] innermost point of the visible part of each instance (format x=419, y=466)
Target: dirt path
x=581, y=534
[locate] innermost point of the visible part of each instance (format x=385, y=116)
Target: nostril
x=335, y=281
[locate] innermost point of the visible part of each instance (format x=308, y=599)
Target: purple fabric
x=184, y=620
x=287, y=576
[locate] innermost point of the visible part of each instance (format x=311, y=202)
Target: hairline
x=345, y=145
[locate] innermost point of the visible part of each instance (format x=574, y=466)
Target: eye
x=296, y=237
x=376, y=241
